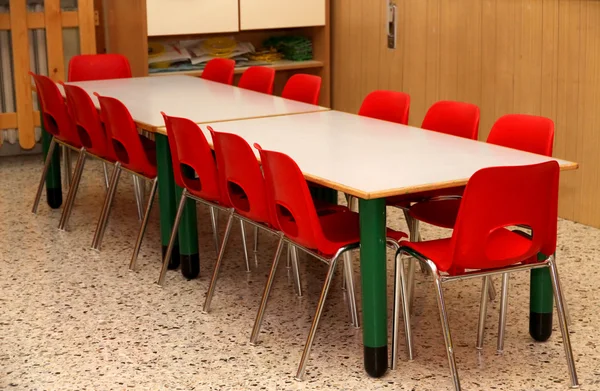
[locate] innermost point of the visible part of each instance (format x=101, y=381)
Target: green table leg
x=541, y=302
x=166, y=197
x=374, y=285
x=188, y=236
x=53, y=184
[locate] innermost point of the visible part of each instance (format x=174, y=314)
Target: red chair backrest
x=55, y=114
x=529, y=133
x=124, y=137
x=392, y=106
x=219, y=70
x=303, y=88
x=239, y=170
x=259, y=79
x=455, y=118
x=86, y=67
x=190, y=151
x=500, y=197
x=290, y=195
x=87, y=121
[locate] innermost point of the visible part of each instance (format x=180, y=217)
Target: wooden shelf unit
x=18, y=21
x=127, y=34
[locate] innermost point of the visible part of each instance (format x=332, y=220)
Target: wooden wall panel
x=508, y=56
x=22, y=83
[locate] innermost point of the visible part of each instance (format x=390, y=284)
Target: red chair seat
x=343, y=228
x=440, y=213
x=404, y=200
x=501, y=244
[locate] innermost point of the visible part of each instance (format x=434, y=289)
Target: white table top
x=371, y=159
x=200, y=100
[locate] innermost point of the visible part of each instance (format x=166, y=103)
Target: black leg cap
x=190, y=265
x=54, y=197
x=540, y=326
x=376, y=361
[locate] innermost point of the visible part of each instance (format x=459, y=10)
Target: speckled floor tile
x=75, y=319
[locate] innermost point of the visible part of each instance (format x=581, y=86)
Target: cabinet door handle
x=392, y=17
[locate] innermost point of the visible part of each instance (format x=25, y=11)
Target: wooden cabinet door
x=177, y=17
x=268, y=14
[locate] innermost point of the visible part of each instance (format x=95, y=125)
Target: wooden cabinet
x=270, y=14
x=180, y=17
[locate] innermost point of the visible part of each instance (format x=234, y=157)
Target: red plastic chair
x=527, y=133
x=392, y=106
x=242, y=186
x=449, y=117
x=326, y=237
x=195, y=170
x=135, y=154
x=219, y=70
x=455, y=118
x=92, y=135
x=86, y=67
x=259, y=79
x=494, y=199
x=303, y=88
x=57, y=122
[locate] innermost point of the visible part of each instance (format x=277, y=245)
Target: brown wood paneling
x=519, y=56
x=87, y=27
x=20, y=46
x=128, y=32
x=8, y=120
x=54, y=40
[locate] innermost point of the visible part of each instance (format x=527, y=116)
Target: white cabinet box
x=180, y=17
x=271, y=14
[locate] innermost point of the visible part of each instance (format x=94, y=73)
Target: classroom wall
x=508, y=56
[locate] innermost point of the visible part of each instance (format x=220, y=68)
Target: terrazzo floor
x=75, y=319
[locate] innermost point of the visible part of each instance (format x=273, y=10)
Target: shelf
x=279, y=66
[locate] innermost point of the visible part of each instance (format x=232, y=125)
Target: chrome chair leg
x=138, y=243
x=503, y=311
x=213, y=281
x=139, y=198
x=562, y=320
x=243, y=229
x=265, y=297
x=445, y=325
x=350, y=292
x=255, y=239
x=295, y=270
x=66, y=213
x=315, y=323
x=491, y=290
x=401, y=304
x=413, y=229
x=165, y=265
x=38, y=194
x=102, y=222
x=215, y=228
x=106, y=179
x=66, y=152
x=288, y=261
x=566, y=306
x=482, y=312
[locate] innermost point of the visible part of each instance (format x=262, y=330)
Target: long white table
x=374, y=159
x=190, y=97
